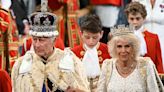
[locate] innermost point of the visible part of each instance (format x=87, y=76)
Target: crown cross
x=44, y=5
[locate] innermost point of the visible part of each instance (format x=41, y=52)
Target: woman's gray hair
x=132, y=40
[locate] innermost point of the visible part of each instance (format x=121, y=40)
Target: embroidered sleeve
x=14, y=75
x=21, y=82
x=103, y=80
x=73, y=69
x=153, y=78
x=80, y=76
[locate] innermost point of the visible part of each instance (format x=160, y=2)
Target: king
x=47, y=68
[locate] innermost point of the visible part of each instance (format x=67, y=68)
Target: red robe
x=5, y=82
x=27, y=44
x=69, y=29
x=154, y=50
x=102, y=50
x=106, y=2
x=7, y=24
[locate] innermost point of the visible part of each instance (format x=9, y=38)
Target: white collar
x=143, y=46
x=91, y=62
x=141, y=29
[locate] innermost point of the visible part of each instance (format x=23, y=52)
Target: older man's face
x=43, y=46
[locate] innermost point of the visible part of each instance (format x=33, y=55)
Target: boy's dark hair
x=134, y=8
x=90, y=23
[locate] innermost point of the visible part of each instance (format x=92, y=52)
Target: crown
x=121, y=30
x=43, y=24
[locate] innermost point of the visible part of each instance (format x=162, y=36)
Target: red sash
x=4, y=19
x=7, y=24
x=105, y=2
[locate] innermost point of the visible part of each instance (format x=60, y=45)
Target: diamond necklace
x=125, y=70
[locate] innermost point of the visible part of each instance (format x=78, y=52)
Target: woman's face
x=43, y=46
x=123, y=50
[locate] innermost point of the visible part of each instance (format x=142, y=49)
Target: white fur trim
x=26, y=63
x=67, y=62
x=44, y=34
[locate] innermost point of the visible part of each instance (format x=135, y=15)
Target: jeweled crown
x=121, y=30
x=43, y=23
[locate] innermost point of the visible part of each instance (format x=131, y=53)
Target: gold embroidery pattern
x=100, y=59
x=99, y=52
x=82, y=53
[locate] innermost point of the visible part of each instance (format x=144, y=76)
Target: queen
x=127, y=71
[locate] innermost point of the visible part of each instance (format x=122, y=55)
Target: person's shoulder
x=103, y=45
x=144, y=61
x=23, y=63
x=59, y=50
x=77, y=48
x=108, y=61
x=20, y=58
x=143, y=58
x=150, y=34
x=3, y=73
x=62, y=52
x=28, y=55
x=18, y=62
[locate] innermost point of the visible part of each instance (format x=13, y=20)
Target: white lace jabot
x=91, y=62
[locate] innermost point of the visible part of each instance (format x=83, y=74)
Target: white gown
x=132, y=83
x=143, y=79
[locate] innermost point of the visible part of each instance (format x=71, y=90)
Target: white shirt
x=143, y=46
x=91, y=62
